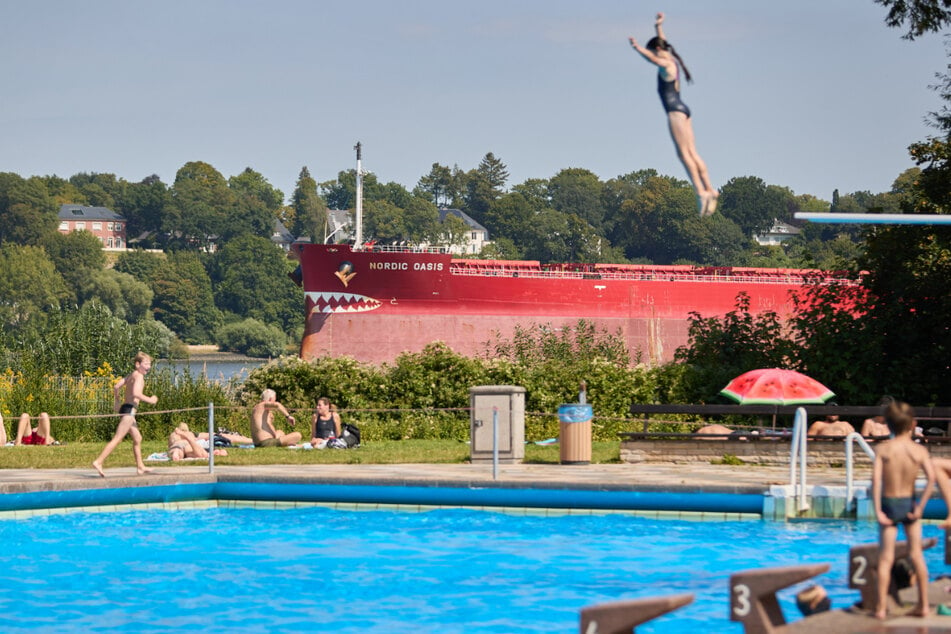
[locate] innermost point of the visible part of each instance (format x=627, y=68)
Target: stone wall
x=827, y=453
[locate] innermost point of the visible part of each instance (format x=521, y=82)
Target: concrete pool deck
x=693, y=478
x=651, y=489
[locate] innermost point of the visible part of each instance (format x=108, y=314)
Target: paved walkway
x=631, y=477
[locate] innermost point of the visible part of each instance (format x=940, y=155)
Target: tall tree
x=342, y=193
x=753, y=205
x=494, y=171
x=100, y=190
x=257, y=203
x=484, y=185
x=252, y=184
x=251, y=282
x=184, y=300
x=200, y=205
x=511, y=216
x=422, y=220
x=920, y=16
x=126, y=297
x=310, y=212
x=30, y=283
x=76, y=256
x=384, y=221
x=578, y=191
x=27, y=212
x=893, y=329
x=144, y=209
x=437, y=185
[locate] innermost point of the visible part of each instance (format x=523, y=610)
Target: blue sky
x=813, y=95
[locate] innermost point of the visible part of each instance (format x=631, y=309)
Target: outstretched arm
x=657, y=25
x=284, y=411
x=646, y=54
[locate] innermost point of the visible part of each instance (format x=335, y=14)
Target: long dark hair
x=657, y=43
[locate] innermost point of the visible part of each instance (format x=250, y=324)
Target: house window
x=97, y=226
x=118, y=226
x=80, y=226
x=475, y=236
x=64, y=226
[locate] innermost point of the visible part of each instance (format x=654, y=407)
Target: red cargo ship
x=375, y=303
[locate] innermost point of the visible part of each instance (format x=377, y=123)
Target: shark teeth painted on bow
x=336, y=302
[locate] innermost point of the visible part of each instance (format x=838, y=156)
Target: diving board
x=875, y=219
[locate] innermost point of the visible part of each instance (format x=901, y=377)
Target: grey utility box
x=509, y=403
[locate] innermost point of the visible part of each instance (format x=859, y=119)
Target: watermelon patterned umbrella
x=775, y=386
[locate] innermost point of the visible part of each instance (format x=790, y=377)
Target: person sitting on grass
x=263, y=432
x=325, y=424
x=39, y=435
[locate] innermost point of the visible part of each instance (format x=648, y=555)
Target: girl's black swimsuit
x=670, y=96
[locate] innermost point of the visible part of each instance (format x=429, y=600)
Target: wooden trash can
x=575, y=439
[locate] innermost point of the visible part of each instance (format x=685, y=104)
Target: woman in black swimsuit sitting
x=660, y=53
x=325, y=424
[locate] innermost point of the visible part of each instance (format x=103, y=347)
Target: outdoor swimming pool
x=447, y=570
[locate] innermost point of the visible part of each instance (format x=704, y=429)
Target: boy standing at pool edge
x=896, y=466
x=134, y=385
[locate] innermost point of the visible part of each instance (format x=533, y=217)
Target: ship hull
x=375, y=305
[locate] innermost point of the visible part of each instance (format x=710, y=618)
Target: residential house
x=281, y=236
x=102, y=222
x=777, y=234
x=478, y=236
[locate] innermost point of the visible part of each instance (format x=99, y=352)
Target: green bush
x=253, y=338
x=422, y=395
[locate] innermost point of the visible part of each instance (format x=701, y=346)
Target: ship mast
x=358, y=210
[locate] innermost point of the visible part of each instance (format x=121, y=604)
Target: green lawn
x=81, y=455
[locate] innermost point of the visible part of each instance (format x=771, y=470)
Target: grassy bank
x=81, y=455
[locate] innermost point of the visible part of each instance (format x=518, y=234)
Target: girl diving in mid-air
x=660, y=53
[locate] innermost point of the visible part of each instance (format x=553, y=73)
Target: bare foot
x=921, y=611
x=880, y=615
x=712, y=201
x=98, y=468
x=143, y=471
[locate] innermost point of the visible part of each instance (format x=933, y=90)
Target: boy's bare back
x=902, y=461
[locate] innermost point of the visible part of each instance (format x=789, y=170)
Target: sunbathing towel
x=158, y=456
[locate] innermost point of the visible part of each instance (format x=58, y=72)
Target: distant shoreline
x=211, y=353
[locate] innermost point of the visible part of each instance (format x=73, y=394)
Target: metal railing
x=798, y=450
x=850, y=441
x=503, y=271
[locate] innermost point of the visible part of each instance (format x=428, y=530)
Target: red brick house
x=102, y=222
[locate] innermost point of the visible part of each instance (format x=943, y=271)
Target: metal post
x=211, y=437
x=798, y=450
x=358, y=204
x=583, y=393
x=495, y=443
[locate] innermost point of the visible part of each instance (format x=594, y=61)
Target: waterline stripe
x=492, y=498
x=201, y=505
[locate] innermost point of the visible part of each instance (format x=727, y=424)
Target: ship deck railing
x=657, y=276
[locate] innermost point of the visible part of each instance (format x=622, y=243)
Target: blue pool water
x=317, y=569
